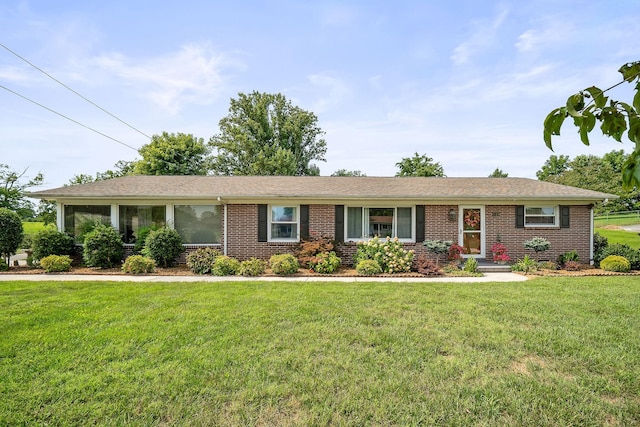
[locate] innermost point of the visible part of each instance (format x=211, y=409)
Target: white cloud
x=332, y=90
x=551, y=33
x=481, y=37
x=194, y=74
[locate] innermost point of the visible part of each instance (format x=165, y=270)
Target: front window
x=199, y=224
x=134, y=218
x=80, y=219
x=364, y=222
x=283, y=223
x=540, y=216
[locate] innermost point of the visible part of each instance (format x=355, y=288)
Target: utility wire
x=80, y=95
x=69, y=118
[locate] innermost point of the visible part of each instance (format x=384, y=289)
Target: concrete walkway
x=59, y=277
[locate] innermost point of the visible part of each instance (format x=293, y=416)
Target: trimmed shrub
x=547, y=265
x=164, y=246
x=615, y=263
x=626, y=251
x=252, y=267
x=56, y=263
x=599, y=243
x=138, y=264
x=368, y=267
x=284, y=264
x=201, y=260
x=225, y=266
x=141, y=237
x=326, y=263
x=103, y=247
x=52, y=242
x=10, y=234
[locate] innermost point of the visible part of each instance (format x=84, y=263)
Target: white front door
x=471, y=227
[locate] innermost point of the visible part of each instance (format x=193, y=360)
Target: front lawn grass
x=549, y=351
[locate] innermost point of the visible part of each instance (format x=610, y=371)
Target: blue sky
x=467, y=83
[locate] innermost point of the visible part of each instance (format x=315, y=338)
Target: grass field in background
x=630, y=218
x=32, y=228
x=549, y=351
x=630, y=238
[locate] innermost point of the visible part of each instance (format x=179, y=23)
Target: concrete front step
x=486, y=266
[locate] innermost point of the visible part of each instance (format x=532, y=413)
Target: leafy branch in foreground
x=590, y=106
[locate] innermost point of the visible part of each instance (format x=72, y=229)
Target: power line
x=69, y=118
x=70, y=89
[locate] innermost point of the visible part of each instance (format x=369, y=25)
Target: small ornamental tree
x=437, y=247
x=10, y=234
x=537, y=244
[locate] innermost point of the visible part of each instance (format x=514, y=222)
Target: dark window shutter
x=304, y=222
x=419, y=223
x=339, y=221
x=519, y=216
x=262, y=223
x=564, y=216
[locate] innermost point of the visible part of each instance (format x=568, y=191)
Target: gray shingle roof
x=317, y=187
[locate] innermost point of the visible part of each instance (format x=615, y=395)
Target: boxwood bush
x=164, y=246
x=51, y=242
x=615, y=263
x=626, y=251
x=252, y=267
x=284, y=264
x=368, y=267
x=56, y=263
x=138, y=264
x=103, y=247
x=225, y=266
x=201, y=260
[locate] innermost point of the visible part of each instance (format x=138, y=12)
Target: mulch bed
x=183, y=270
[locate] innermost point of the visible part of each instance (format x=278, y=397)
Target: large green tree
x=173, y=154
x=592, y=173
x=419, y=165
x=13, y=186
x=591, y=106
x=555, y=165
x=264, y=134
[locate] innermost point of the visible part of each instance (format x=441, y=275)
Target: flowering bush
x=388, y=253
x=326, y=263
x=455, y=252
x=499, y=252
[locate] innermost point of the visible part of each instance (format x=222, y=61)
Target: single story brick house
x=258, y=216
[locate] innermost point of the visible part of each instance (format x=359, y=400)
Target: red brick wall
x=499, y=223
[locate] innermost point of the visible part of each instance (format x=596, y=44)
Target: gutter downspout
x=591, y=227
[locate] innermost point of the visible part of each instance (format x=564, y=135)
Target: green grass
x=550, y=351
x=32, y=228
x=631, y=218
x=621, y=236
